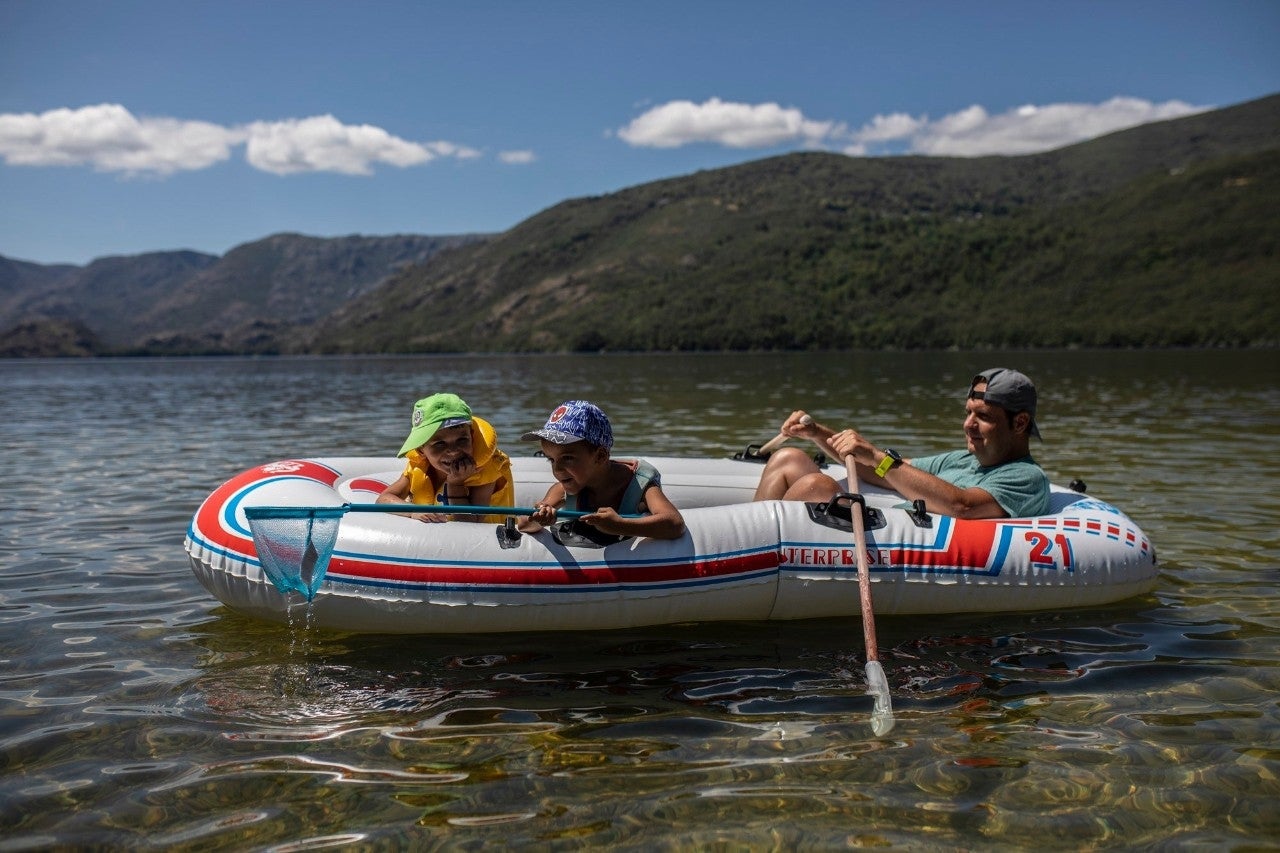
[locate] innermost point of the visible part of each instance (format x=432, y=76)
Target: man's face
x=987, y=431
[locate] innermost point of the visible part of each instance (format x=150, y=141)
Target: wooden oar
x=772, y=444
x=776, y=442
x=877, y=685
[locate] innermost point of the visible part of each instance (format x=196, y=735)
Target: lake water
x=136, y=711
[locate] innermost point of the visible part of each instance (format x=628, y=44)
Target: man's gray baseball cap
x=1008, y=389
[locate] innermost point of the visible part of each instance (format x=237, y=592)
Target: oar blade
x=882, y=721
x=295, y=544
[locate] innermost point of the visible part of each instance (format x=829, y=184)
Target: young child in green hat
x=453, y=458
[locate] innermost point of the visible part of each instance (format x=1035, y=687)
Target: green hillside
x=1162, y=235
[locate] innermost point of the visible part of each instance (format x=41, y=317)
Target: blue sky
x=128, y=127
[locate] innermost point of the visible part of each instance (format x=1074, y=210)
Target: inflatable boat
x=738, y=560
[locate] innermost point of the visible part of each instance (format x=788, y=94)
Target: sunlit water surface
x=136, y=711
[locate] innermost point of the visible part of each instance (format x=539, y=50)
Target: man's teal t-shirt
x=1020, y=486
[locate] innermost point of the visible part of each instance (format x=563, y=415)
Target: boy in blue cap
x=577, y=439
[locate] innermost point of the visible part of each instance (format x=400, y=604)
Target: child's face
x=449, y=449
x=576, y=466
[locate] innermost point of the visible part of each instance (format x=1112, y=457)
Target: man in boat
x=995, y=477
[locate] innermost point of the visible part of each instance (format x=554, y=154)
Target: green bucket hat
x=439, y=411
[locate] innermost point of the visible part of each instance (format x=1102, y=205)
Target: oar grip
x=776, y=442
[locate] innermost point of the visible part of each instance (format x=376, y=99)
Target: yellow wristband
x=885, y=464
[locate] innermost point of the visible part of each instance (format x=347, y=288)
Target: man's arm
x=939, y=496
x=913, y=484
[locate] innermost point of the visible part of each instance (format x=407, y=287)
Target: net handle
x=268, y=512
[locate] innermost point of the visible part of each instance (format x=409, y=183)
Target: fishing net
x=294, y=544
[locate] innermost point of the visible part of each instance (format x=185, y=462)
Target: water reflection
x=664, y=681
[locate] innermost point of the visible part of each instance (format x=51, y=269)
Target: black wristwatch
x=891, y=458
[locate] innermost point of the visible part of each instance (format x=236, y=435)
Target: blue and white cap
x=575, y=420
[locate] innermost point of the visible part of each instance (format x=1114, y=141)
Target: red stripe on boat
x=367, y=484
x=969, y=547
x=209, y=516
x=552, y=575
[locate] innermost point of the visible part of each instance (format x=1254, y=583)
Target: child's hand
x=430, y=517
x=460, y=469
x=607, y=520
x=543, y=514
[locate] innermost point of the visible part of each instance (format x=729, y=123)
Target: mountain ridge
x=821, y=251
x=185, y=302
x=1160, y=235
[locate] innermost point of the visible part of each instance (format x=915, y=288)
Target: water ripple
x=138, y=712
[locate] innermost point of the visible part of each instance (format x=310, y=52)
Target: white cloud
x=970, y=132
x=448, y=149
x=735, y=125
x=973, y=132
x=1028, y=129
x=324, y=144
x=885, y=128
x=111, y=139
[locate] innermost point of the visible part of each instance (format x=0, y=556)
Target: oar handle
x=772, y=444
x=776, y=442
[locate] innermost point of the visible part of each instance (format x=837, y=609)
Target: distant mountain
x=187, y=302
x=1162, y=235
x=49, y=339
x=111, y=295
x=21, y=279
